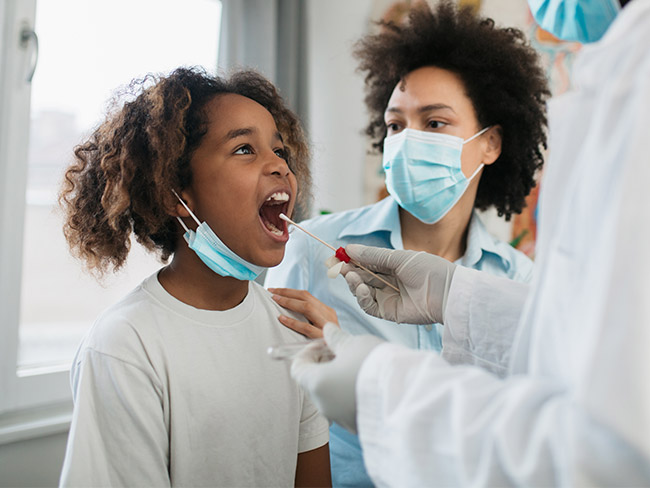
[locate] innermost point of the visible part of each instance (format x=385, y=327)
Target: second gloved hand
x=423, y=279
x=332, y=384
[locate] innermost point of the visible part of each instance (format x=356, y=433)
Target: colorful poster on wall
x=474, y=4
x=557, y=59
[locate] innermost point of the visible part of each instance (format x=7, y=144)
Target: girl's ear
x=493, y=146
x=179, y=210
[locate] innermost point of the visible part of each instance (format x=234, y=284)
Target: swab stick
x=340, y=253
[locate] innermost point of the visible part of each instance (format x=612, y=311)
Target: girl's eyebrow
x=244, y=131
x=247, y=131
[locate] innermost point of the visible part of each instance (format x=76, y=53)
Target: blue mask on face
x=423, y=172
x=214, y=253
x=575, y=20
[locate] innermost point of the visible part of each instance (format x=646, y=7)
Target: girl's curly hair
x=502, y=77
x=121, y=180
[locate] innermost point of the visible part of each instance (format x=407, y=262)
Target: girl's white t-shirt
x=169, y=394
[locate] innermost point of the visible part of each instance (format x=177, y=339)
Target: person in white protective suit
x=547, y=384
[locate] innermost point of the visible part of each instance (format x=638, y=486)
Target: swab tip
x=284, y=217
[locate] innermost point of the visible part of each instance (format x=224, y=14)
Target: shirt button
x=429, y=327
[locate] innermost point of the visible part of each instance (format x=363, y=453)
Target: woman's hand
x=303, y=302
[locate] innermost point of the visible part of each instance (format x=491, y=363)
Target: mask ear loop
x=483, y=131
x=480, y=166
x=186, y=208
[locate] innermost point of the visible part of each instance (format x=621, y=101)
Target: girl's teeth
x=278, y=196
x=274, y=230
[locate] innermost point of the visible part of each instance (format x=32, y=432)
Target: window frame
x=26, y=397
x=34, y=401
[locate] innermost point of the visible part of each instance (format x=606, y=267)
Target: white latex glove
x=423, y=279
x=332, y=384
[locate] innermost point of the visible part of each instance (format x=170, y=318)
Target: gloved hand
x=423, y=279
x=332, y=384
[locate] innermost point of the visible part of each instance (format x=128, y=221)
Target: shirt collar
x=382, y=216
x=479, y=240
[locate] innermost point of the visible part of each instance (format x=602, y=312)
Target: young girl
x=172, y=385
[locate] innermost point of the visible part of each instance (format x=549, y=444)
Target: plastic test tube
x=290, y=350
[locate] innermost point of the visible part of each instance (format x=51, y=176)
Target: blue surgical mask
x=423, y=172
x=575, y=20
x=214, y=253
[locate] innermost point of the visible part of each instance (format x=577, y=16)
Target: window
x=86, y=50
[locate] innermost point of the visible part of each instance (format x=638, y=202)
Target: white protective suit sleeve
x=481, y=319
x=424, y=423
x=451, y=426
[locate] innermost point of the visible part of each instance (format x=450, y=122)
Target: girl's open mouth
x=270, y=212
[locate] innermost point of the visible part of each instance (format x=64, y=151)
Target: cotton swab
x=340, y=252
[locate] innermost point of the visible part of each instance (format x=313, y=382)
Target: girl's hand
x=303, y=302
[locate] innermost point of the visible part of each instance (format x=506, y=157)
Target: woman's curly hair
x=502, y=78
x=121, y=180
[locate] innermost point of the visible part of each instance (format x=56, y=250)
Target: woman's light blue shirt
x=378, y=225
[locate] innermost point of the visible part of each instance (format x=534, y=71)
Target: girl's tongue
x=270, y=213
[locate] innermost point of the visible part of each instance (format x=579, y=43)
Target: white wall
x=337, y=114
x=507, y=12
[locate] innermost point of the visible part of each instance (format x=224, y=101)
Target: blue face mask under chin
x=423, y=172
x=583, y=21
x=214, y=253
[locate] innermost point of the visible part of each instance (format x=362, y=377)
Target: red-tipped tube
x=341, y=255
